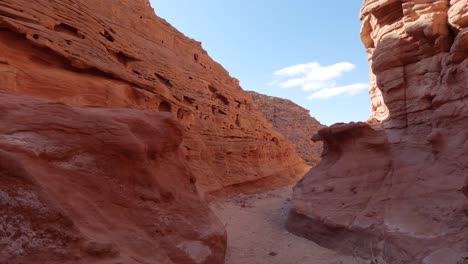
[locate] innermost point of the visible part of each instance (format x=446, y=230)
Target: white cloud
x=334, y=91
x=320, y=79
x=274, y=82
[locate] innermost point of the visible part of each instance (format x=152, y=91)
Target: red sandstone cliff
x=293, y=122
x=393, y=184
x=98, y=185
x=117, y=53
x=90, y=172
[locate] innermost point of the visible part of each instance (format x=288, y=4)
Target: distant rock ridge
x=391, y=187
x=293, y=122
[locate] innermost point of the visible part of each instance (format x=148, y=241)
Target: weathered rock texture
x=293, y=122
x=98, y=185
x=465, y=189
x=117, y=53
x=392, y=186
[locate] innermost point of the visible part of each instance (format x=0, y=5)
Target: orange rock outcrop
x=98, y=185
x=113, y=124
x=391, y=187
x=293, y=122
x=117, y=53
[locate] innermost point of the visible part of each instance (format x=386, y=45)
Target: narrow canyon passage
x=255, y=224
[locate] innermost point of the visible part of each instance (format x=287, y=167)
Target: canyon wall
x=393, y=186
x=293, y=122
x=117, y=53
x=113, y=124
x=98, y=185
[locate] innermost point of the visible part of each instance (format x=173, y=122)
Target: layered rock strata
x=117, y=53
x=293, y=122
x=392, y=186
x=98, y=185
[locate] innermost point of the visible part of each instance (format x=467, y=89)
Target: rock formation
x=117, y=53
x=93, y=167
x=465, y=189
x=293, y=122
x=391, y=186
x=95, y=185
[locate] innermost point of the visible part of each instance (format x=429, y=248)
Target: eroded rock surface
x=465, y=189
x=391, y=187
x=117, y=53
x=293, y=122
x=98, y=185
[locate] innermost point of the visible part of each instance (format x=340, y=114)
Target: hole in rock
x=124, y=58
x=238, y=121
x=179, y=99
x=180, y=113
x=193, y=180
x=212, y=88
x=107, y=35
x=35, y=36
x=163, y=79
x=390, y=13
x=222, y=98
x=67, y=29
x=167, y=196
x=152, y=155
x=274, y=139
x=216, y=110
x=164, y=107
x=189, y=100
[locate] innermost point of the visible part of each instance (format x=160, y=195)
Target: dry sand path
x=256, y=232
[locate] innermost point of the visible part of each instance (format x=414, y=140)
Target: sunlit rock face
x=117, y=53
x=113, y=124
x=394, y=184
x=293, y=122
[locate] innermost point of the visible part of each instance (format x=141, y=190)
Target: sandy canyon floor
x=256, y=232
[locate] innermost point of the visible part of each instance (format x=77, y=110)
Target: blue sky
x=308, y=51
